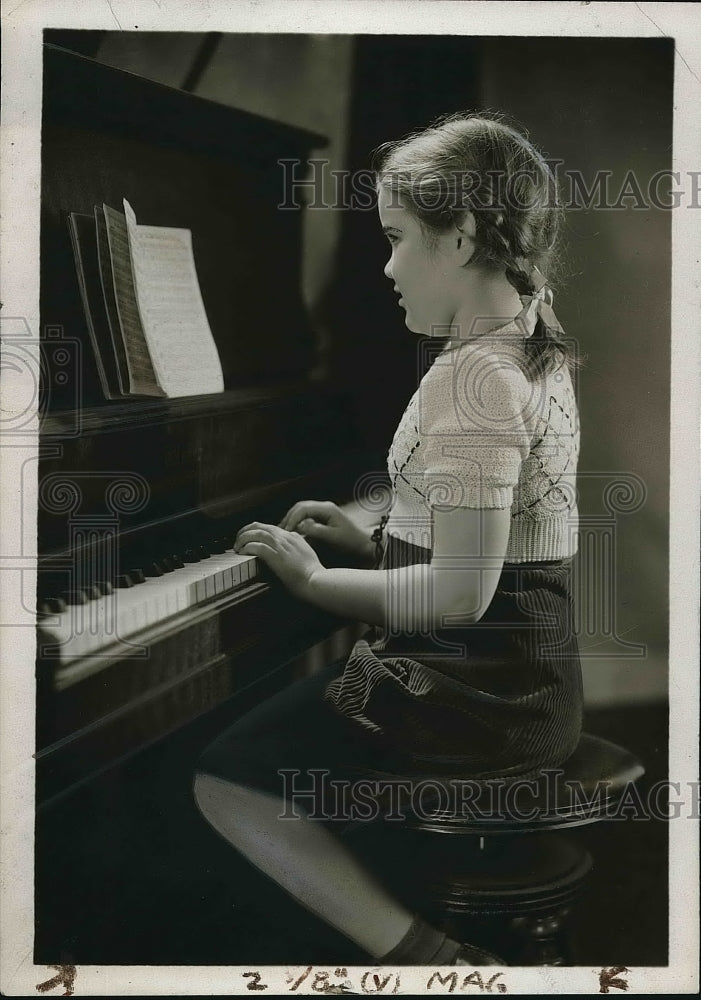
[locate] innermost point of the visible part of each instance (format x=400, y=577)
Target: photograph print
x=352, y=523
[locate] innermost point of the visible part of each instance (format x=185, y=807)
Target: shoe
x=469, y=955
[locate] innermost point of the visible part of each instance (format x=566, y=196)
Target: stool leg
x=542, y=939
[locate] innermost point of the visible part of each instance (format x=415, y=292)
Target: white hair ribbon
x=538, y=303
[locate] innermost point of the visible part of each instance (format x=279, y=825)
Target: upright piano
x=146, y=617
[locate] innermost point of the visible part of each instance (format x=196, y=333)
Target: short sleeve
x=474, y=429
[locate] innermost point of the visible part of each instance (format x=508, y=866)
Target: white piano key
x=85, y=629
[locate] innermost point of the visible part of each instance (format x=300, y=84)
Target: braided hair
x=476, y=163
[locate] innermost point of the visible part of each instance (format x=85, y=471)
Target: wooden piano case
x=149, y=473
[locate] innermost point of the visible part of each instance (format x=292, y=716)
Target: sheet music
x=107, y=285
x=172, y=312
x=142, y=377
x=84, y=243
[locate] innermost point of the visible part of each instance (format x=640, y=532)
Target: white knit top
x=478, y=433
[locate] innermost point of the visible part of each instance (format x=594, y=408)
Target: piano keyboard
x=92, y=628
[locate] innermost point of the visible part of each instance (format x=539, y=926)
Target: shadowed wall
x=606, y=105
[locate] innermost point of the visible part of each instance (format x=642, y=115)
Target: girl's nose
x=388, y=269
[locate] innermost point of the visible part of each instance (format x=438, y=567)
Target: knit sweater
x=479, y=433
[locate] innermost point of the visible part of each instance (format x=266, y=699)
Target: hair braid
x=545, y=342
x=520, y=275
x=545, y=345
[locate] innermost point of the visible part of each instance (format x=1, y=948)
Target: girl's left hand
x=288, y=555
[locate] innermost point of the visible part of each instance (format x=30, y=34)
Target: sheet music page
x=104, y=263
x=84, y=243
x=142, y=377
x=172, y=312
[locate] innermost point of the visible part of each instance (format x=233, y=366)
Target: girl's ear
x=465, y=230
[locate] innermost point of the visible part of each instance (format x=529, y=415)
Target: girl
x=473, y=664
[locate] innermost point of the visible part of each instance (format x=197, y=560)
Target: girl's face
x=426, y=278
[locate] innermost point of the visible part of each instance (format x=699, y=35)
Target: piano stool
x=503, y=883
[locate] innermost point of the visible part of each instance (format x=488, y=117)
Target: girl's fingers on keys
x=317, y=509
x=291, y=518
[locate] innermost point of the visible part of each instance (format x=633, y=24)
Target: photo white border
x=22, y=23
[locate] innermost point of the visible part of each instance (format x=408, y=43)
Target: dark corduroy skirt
x=499, y=697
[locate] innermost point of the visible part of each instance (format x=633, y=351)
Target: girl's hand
x=323, y=520
x=292, y=559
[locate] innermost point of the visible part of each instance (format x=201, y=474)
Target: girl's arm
x=468, y=553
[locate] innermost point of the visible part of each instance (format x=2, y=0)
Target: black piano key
x=137, y=575
x=53, y=582
x=52, y=606
x=105, y=587
x=218, y=545
x=124, y=580
x=176, y=561
x=167, y=564
x=191, y=556
x=153, y=569
x=75, y=596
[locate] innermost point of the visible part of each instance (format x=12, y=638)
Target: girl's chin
x=414, y=328
x=410, y=324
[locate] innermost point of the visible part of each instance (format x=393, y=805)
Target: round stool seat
x=584, y=789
